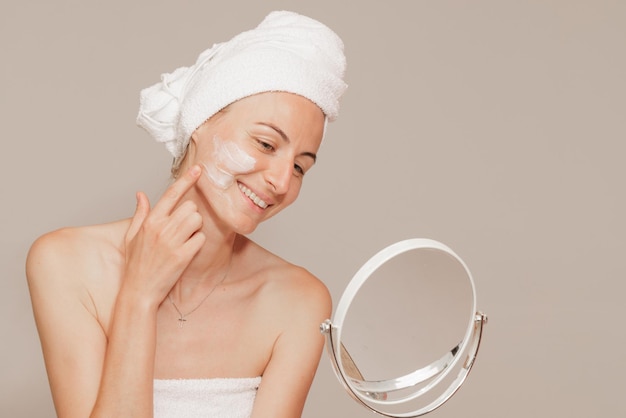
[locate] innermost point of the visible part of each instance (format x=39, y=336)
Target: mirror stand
x=380, y=395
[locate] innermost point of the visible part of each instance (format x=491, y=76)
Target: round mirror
x=405, y=332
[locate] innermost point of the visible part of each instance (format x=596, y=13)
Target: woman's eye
x=299, y=170
x=265, y=145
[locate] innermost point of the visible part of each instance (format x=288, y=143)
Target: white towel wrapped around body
x=196, y=398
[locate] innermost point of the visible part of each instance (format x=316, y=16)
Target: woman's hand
x=161, y=242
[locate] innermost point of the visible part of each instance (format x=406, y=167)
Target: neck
x=213, y=260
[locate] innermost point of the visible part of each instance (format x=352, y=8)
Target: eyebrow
x=285, y=138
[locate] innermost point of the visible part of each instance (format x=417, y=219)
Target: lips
x=253, y=197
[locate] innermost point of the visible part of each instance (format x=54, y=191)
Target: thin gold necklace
x=183, y=317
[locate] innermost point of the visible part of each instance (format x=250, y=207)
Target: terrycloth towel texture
x=285, y=52
x=195, y=398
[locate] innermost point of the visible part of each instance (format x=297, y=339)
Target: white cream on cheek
x=228, y=161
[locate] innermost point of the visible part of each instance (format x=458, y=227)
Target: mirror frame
x=373, y=393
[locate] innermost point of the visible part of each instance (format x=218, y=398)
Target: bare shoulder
x=66, y=259
x=286, y=286
x=70, y=247
x=290, y=303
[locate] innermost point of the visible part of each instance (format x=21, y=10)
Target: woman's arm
x=296, y=353
x=75, y=346
x=108, y=373
x=72, y=340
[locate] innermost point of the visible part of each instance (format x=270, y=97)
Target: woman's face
x=255, y=155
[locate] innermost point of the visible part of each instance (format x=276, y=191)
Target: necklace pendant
x=181, y=319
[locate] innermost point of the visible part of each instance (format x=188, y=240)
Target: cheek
x=234, y=159
x=227, y=160
x=294, y=192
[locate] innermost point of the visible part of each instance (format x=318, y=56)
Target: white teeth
x=256, y=199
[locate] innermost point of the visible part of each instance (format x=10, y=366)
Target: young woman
x=174, y=312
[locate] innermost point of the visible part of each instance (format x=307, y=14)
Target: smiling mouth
x=256, y=199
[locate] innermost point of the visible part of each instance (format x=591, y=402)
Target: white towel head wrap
x=287, y=52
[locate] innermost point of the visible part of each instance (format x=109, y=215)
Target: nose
x=279, y=175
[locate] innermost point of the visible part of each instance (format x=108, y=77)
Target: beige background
x=495, y=126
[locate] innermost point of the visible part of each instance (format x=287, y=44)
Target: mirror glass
x=403, y=327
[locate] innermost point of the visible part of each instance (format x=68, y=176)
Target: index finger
x=177, y=190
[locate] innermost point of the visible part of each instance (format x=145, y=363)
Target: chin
x=245, y=230
x=241, y=226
